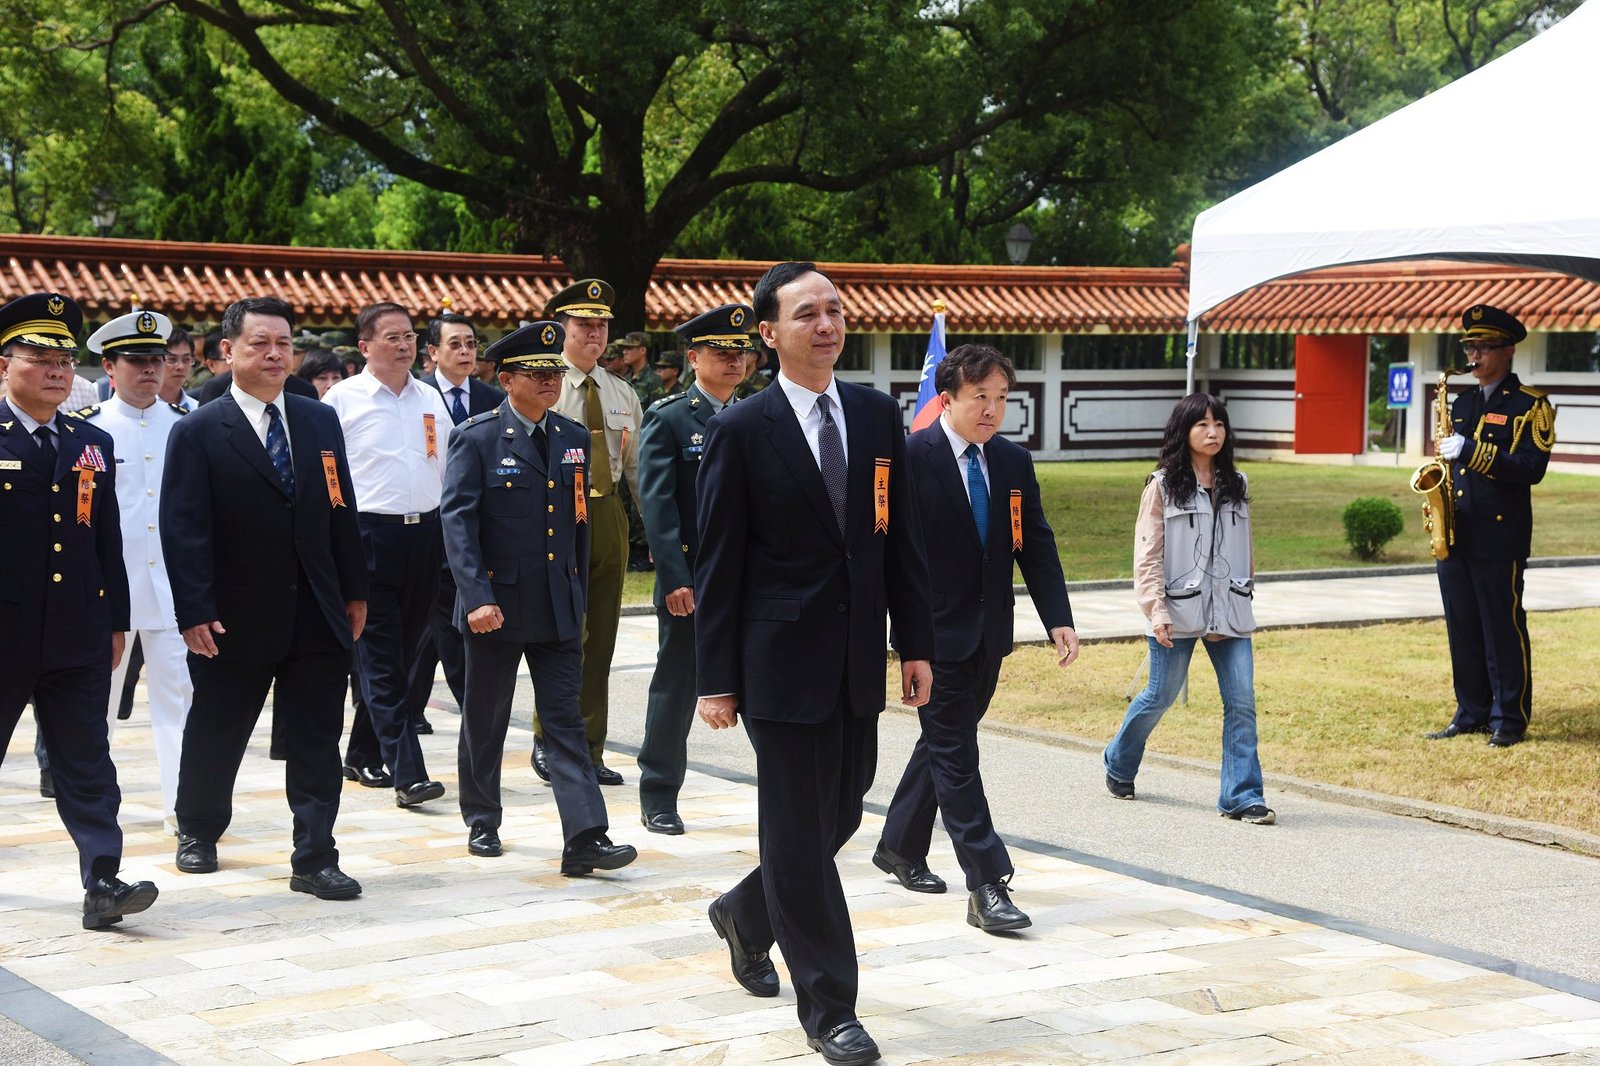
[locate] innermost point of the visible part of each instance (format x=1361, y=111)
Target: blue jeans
x=1235, y=666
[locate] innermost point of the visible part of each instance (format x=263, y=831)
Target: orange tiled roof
x=193, y=281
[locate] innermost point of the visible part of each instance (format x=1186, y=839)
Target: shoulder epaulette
x=482, y=416
x=667, y=399
x=1537, y=394
x=573, y=422
x=85, y=412
x=178, y=408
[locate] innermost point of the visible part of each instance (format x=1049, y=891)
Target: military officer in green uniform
x=669, y=460
x=1504, y=431
x=669, y=368
x=602, y=402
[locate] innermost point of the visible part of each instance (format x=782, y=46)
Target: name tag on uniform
x=503, y=471
x=1495, y=420
x=10, y=464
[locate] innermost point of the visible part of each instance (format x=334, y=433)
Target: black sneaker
x=1257, y=814
x=1123, y=790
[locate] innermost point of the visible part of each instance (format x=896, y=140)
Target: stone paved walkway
x=450, y=958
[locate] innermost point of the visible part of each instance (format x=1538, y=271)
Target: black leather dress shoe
x=1453, y=730
x=421, y=726
x=196, y=856
x=606, y=775
x=541, y=765
x=1501, y=739
x=417, y=792
x=330, y=882
x=911, y=873
x=482, y=840
x=1123, y=790
x=846, y=1045
x=598, y=854
x=666, y=822
x=47, y=785
x=107, y=899
x=370, y=776
x=752, y=969
x=989, y=908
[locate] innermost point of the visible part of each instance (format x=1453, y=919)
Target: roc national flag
x=930, y=405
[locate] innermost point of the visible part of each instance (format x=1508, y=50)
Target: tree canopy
x=612, y=135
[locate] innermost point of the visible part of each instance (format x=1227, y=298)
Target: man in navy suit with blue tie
x=808, y=538
x=63, y=590
x=256, y=501
x=980, y=509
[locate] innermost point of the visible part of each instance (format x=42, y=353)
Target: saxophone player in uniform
x=1503, y=433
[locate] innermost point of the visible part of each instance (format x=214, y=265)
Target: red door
x=1330, y=394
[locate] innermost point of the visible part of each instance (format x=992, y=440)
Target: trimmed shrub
x=1370, y=523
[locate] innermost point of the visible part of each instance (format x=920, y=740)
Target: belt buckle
x=414, y=518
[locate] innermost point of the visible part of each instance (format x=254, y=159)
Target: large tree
x=598, y=132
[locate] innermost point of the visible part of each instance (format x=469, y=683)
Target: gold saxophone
x=1432, y=479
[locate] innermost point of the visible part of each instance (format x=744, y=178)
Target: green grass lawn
x=1348, y=706
x=1296, y=510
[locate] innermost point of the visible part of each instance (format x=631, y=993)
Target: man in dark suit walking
x=64, y=590
x=670, y=448
x=979, y=503
x=512, y=474
x=256, y=500
x=808, y=536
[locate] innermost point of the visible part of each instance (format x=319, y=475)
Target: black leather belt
x=415, y=518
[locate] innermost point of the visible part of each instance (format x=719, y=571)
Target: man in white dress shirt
x=395, y=431
x=133, y=349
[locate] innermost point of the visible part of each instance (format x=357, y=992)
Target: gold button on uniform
x=548, y=507
x=55, y=488
x=8, y=486
x=549, y=484
x=56, y=578
x=549, y=532
x=56, y=517
x=508, y=484
x=551, y=556
x=57, y=547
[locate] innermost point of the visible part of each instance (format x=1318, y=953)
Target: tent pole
x=1194, y=337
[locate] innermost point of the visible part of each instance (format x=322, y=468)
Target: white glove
x=1452, y=446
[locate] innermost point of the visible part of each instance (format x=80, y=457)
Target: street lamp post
x=105, y=211
x=1019, y=239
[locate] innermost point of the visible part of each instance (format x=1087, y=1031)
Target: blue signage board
x=1401, y=377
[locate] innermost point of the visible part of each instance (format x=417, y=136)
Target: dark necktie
x=278, y=447
x=458, y=410
x=541, y=443
x=831, y=451
x=47, y=448
x=979, y=493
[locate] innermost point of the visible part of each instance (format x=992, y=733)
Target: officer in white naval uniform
x=133, y=349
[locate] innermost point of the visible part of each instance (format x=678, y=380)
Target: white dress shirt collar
x=804, y=401
x=959, y=445
x=256, y=411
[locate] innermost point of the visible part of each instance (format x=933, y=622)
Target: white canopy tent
x=1501, y=165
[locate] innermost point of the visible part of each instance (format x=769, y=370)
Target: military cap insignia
x=146, y=322
x=1477, y=313
x=549, y=334
x=737, y=318
x=55, y=305
x=594, y=290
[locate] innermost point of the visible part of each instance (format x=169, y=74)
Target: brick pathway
x=450, y=958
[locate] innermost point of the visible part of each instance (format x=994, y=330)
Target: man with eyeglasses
x=180, y=361
x=65, y=590
x=1504, y=431
x=395, y=431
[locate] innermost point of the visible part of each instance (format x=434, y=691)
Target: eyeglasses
x=180, y=360
x=1479, y=347
x=60, y=362
x=408, y=337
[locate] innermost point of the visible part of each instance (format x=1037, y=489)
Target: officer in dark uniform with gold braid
x=1504, y=431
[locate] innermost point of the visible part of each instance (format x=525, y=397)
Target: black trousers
x=557, y=671
x=308, y=684
x=810, y=781
x=403, y=565
x=669, y=713
x=440, y=645
x=1488, y=631
x=942, y=775
x=70, y=709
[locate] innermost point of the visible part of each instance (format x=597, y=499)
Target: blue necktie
x=979, y=493
x=831, y=453
x=278, y=447
x=458, y=410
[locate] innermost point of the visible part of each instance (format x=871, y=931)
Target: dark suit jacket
x=670, y=447
x=481, y=397
x=1509, y=438
x=511, y=532
x=214, y=388
x=972, y=585
x=63, y=589
x=789, y=612
x=238, y=545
